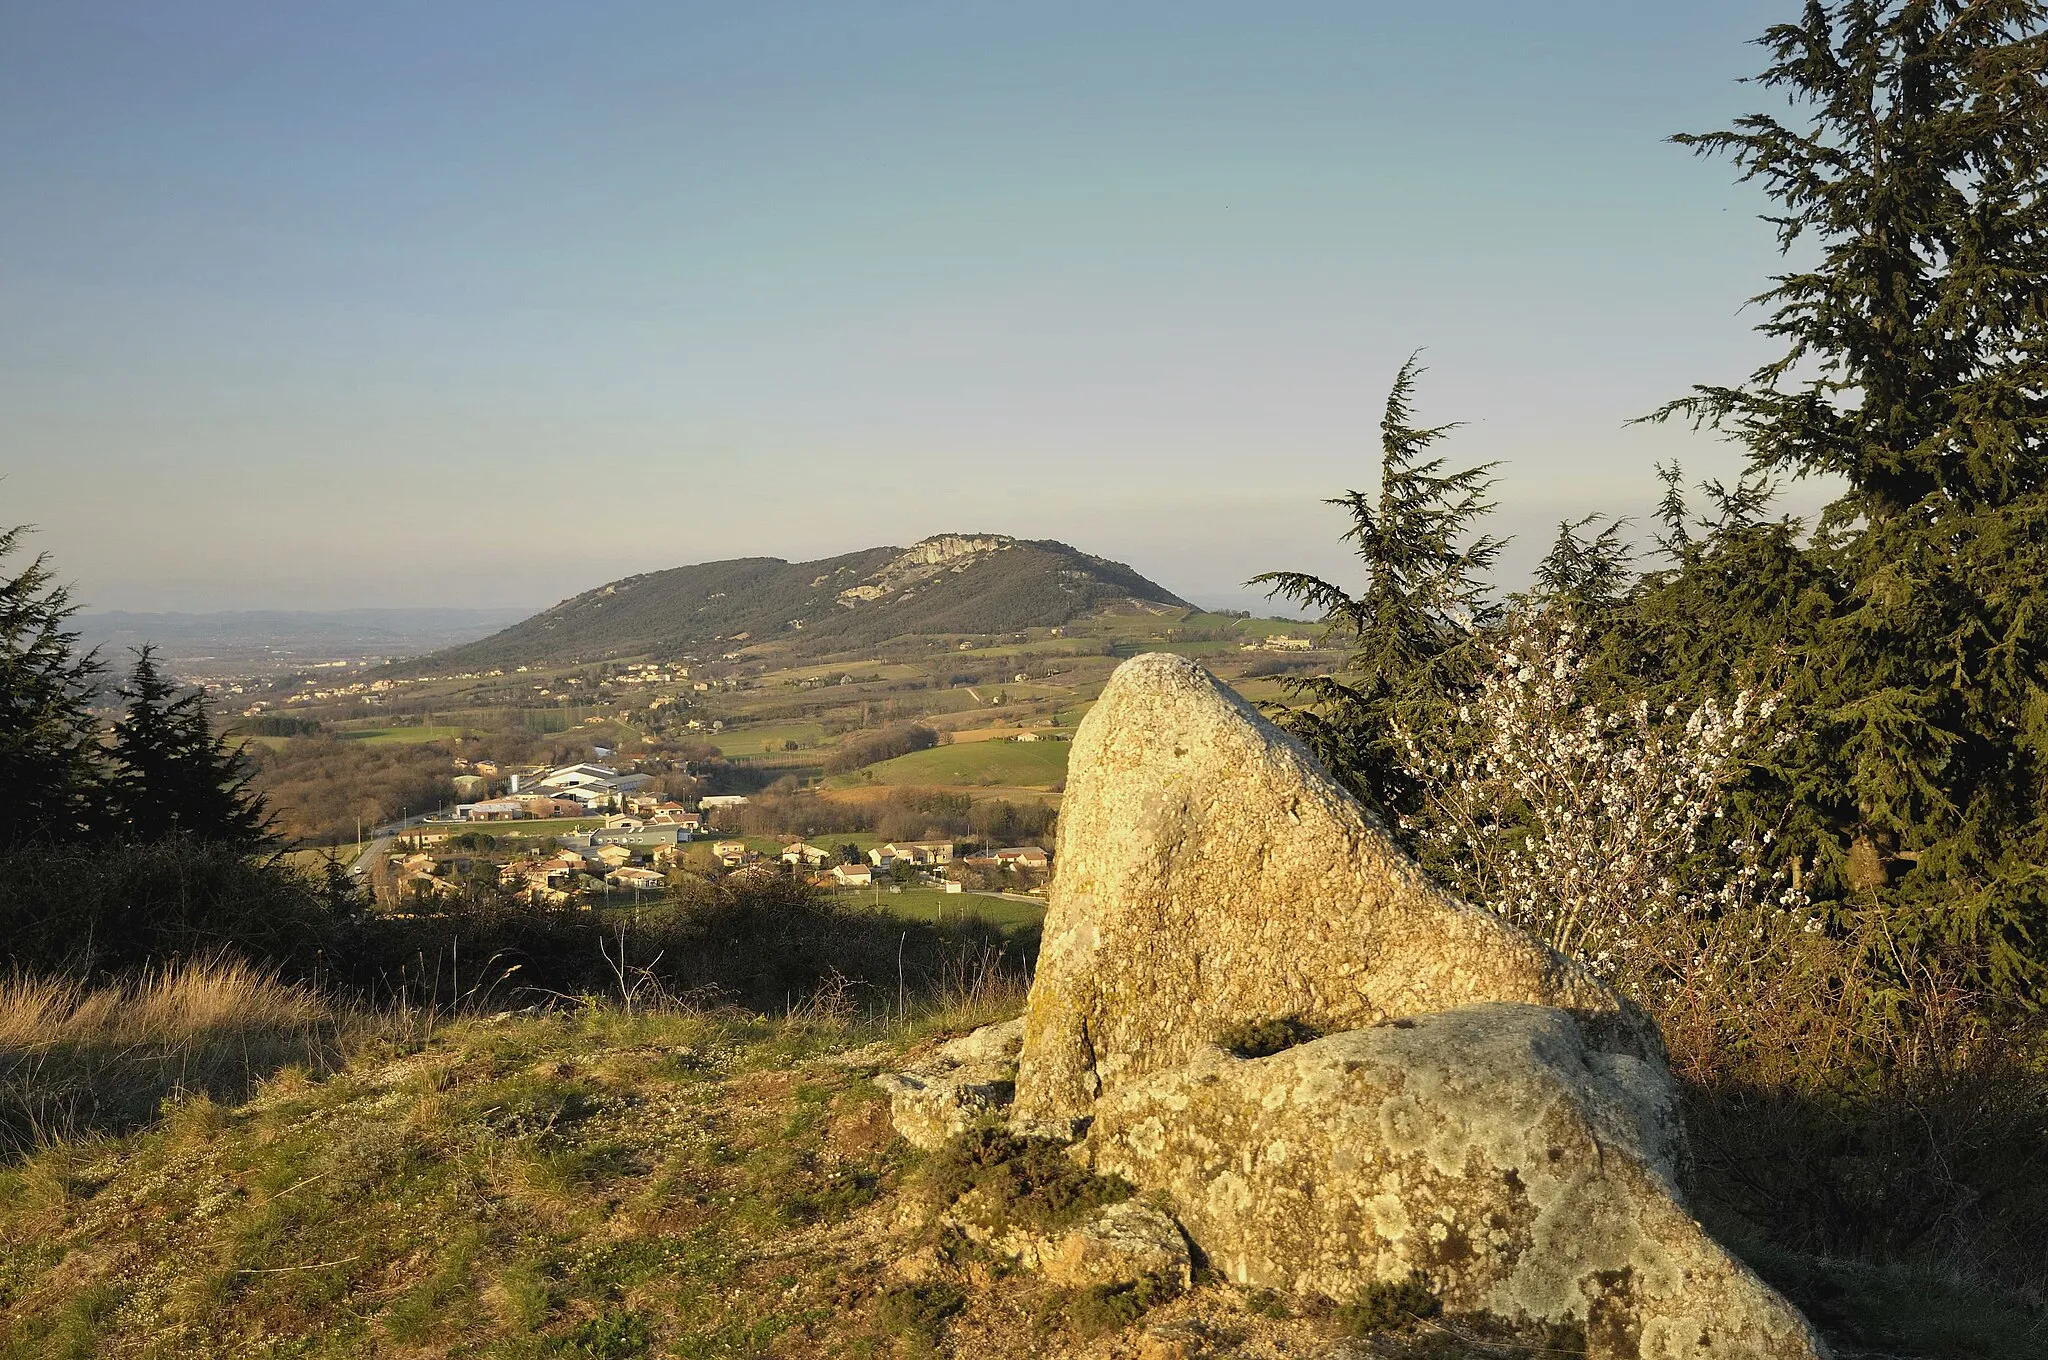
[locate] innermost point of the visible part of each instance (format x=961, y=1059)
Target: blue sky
x=323, y=305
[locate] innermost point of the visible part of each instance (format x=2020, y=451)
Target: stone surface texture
x=1525, y=1174
x=1121, y=1244
x=1209, y=872
x=965, y=1082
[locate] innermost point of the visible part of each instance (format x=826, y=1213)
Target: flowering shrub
x=1580, y=824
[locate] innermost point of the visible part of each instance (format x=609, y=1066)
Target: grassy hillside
x=1029, y=765
x=594, y=1184
x=1010, y=585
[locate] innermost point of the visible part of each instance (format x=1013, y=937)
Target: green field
x=766, y=738
x=1031, y=765
x=401, y=736
x=930, y=904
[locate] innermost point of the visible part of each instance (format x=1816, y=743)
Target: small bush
x=917, y=1312
x=1388, y=1306
x=1105, y=1308
x=1027, y=1181
x=1264, y=1038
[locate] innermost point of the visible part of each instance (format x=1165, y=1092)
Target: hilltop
x=950, y=583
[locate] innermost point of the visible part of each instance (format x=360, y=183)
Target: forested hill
x=952, y=583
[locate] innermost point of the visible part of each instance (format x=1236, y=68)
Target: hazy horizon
x=362, y=306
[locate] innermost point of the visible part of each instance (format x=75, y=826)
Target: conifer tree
x=48, y=738
x=1408, y=631
x=1913, y=175
x=173, y=776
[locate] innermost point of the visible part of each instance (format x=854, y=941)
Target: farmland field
x=1035, y=765
x=930, y=904
x=401, y=736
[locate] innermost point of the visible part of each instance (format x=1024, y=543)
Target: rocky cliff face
x=1450, y=1100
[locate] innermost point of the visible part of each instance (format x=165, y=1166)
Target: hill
x=951, y=583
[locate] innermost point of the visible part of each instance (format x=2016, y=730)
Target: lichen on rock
x=1486, y=1149
x=1212, y=873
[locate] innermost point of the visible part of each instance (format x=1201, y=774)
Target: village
x=582, y=834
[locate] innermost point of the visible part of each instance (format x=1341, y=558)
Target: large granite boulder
x=1211, y=873
x=1522, y=1173
x=1482, y=1110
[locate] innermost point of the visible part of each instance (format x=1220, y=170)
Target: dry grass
x=78, y=1060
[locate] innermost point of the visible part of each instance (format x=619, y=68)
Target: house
x=852, y=875
x=688, y=821
x=923, y=854
x=718, y=802
x=1026, y=736
x=621, y=822
x=645, y=838
x=577, y=776
x=613, y=856
x=495, y=810
x=1023, y=857
x=643, y=880
x=812, y=855
x=731, y=854
x=551, y=873
x=588, y=798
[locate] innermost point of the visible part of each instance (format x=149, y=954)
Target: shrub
x=765, y=943
x=1104, y=1308
x=91, y=909
x=1026, y=1181
x=1387, y=1306
x=918, y=1312
x=1264, y=1038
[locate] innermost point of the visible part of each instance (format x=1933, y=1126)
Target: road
x=380, y=842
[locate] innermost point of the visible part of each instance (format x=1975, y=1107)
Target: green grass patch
x=756, y=739
x=402, y=736
x=978, y=764
x=931, y=904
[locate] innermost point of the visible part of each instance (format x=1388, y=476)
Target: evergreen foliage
x=1409, y=629
x=48, y=743
x=173, y=776
x=1915, y=370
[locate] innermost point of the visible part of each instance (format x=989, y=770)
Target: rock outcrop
x=968, y=1081
x=1521, y=1173
x=1478, y=1109
x=1125, y=1243
x=1210, y=873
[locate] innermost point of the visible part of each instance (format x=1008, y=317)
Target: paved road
x=380, y=842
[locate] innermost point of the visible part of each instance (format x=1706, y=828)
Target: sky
x=333, y=305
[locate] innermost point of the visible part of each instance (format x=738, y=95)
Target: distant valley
x=951, y=669
x=239, y=644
